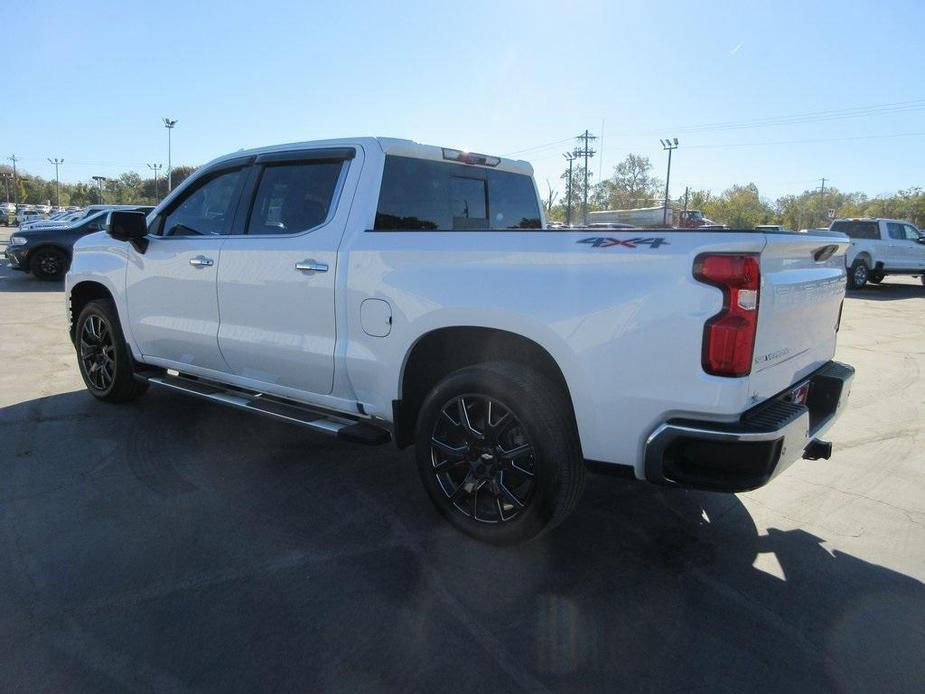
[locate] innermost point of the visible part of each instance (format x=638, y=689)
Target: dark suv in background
x=46, y=253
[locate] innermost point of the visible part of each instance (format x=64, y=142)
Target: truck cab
x=881, y=247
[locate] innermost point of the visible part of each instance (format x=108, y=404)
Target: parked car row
x=45, y=247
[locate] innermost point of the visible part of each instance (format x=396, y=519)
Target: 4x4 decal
x=609, y=241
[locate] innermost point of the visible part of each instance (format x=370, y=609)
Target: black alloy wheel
x=97, y=353
x=48, y=264
x=498, y=452
x=482, y=459
x=105, y=362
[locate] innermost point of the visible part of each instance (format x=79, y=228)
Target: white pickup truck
x=379, y=289
x=881, y=247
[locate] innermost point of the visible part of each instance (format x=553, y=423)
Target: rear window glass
x=857, y=230
x=418, y=194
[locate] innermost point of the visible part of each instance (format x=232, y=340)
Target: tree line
x=128, y=188
x=633, y=184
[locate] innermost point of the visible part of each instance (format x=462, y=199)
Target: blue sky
x=91, y=81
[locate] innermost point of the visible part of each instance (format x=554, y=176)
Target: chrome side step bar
x=338, y=424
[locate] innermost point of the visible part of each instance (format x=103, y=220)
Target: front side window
x=207, y=209
x=912, y=234
x=294, y=197
x=419, y=194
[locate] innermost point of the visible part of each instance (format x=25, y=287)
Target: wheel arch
x=865, y=258
x=80, y=295
x=443, y=350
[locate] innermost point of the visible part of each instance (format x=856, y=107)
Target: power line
x=793, y=119
x=530, y=149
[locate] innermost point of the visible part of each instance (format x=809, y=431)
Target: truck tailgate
x=802, y=288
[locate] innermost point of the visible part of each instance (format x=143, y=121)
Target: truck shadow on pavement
x=887, y=292
x=177, y=545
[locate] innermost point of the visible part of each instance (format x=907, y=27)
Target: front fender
x=101, y=259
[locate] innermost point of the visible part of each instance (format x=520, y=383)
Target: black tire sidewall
x=549, y=442
x=35, y=264
x=123, y=379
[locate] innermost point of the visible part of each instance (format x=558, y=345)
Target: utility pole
x=15, y=180
x=169, y=125
x=99, y=180
x=667, y=144
x=155, y=168
x=586, y=152
x=57, y=162
x=821, y=199
x=569, y=157
x=6, y=181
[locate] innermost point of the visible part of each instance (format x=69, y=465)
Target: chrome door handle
x=311, y=266
x=201, y=261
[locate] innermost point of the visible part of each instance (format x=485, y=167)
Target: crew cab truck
x=881, y=247
x=379, y=289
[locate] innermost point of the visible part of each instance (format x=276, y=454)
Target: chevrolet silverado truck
x=378, y=289
x=881, y=247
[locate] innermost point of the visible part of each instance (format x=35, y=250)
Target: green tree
x=632, y=185
x=740, y=207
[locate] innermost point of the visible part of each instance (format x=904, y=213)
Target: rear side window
x=857, y=229
x=418, y=194
x=294, y=197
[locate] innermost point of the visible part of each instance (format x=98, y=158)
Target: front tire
x=498, y=453
x=103, y=358
x=858, y=274
x=48, y=264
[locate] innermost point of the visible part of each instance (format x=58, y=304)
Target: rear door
x=802, y=288
x=171, y=287
x=277, y=278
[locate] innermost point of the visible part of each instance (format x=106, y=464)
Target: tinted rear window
x=857, y=230
x=430, y=195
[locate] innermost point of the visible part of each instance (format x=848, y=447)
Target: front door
x=276, y=280
x=171, y=287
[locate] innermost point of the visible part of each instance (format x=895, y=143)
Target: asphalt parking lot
x=173, y=545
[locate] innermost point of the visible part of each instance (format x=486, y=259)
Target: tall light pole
x=6, y=180
x=570, y=158
x=169, y=125
x=57, y=162
x=155, y=168
x=15, y=180
x=670, y=145
x=99, y=180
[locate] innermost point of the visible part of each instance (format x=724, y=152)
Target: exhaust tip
x=817, y=450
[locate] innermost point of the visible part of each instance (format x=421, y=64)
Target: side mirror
x=126, y=225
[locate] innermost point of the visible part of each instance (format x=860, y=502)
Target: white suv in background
x=881, y=247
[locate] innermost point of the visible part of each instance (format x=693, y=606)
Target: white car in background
x=881, y=247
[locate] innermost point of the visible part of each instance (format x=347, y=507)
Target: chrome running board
x=335, y=423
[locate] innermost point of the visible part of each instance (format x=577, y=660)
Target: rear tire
x=103, y=358
x=503, y=437
x=858, y=274
x=48, y=264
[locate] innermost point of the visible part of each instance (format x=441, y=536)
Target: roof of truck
x=388, y=145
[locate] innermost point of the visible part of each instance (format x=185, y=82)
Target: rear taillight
x=729, y=336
